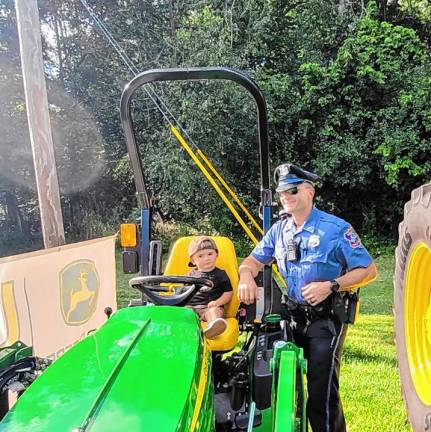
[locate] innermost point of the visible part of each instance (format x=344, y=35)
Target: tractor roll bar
x=187, y=74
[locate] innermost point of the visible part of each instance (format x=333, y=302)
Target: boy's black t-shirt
x=221, y=282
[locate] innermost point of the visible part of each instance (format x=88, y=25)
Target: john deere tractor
x=412, y=301
x=149, y=367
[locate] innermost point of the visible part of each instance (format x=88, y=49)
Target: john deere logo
x=79, y=287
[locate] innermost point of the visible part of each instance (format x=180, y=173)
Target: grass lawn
x=370, y=386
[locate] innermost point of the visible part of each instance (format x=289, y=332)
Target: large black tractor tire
x=412, y=302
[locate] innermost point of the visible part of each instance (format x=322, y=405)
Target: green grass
x=370, y=387
x=377, y=297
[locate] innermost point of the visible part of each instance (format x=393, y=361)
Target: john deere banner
x=52, y=298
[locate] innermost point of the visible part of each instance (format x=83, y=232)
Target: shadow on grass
x=352, y=354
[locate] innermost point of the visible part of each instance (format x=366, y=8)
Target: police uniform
x=326, y=248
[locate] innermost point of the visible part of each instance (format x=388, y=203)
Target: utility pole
x=39, y=122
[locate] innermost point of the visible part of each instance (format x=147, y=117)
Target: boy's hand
x=213, y=304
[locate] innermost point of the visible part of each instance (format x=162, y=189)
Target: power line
x=155, y=98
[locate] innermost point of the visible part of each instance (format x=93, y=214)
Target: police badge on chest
x=314, y=241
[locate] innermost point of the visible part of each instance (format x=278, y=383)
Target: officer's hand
x=247, y=289
x=315, y=292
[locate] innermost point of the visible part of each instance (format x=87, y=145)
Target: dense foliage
x=347, y=83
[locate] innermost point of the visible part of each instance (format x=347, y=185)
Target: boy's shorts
x=202, y=311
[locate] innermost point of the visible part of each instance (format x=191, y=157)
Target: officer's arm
x=247, y=288
x=357, y=277
x=316, y=292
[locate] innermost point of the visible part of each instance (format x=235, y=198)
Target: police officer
x=319, y=256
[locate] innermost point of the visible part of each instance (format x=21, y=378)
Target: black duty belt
x=307, y=312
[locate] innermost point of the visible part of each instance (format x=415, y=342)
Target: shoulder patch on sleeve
x=352, y=238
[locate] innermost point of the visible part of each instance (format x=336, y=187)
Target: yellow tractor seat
x=178, y=265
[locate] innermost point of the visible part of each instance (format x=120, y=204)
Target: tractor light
x=128, y=235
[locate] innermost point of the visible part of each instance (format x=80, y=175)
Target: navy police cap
x=288, y=175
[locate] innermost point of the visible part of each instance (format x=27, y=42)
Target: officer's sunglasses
x=292, y=191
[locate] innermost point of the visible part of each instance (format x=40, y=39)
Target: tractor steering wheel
x=150, y=285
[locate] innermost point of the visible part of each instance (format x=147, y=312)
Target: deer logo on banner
x=79, y=287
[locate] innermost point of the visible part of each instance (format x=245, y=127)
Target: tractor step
x=227, y=419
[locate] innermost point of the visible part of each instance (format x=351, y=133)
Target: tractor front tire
x=412, y=303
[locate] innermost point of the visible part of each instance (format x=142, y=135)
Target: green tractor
x=18, y=369
x=149, y=367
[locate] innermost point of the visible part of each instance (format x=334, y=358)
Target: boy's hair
x=201, y=243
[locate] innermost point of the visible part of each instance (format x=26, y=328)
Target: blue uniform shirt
x=328, y=247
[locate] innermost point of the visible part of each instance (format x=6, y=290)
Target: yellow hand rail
x=222, y=195
x=231, y=192
x=205, y=172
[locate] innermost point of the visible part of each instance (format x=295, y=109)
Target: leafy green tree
x=346, y=83
x=368, y=128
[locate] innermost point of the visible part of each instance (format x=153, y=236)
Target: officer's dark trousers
x=323, y=345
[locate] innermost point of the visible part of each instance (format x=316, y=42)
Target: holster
x=345, y=306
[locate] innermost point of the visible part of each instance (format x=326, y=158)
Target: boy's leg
x=213, y=313
x=200, y=310
x=216, y=324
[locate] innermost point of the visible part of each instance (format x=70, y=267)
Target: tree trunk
x=58, y=47
x=14, y=216
x=173, y=29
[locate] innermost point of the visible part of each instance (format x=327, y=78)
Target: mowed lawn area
x=370, y=385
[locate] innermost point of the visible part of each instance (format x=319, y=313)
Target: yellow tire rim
x=417, y=320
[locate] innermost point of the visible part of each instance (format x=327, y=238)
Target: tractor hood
x=140, y=371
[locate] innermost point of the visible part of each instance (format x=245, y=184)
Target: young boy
x=209, y=305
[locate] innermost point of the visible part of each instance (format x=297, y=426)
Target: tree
x=368, y=123
x=346, y=83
